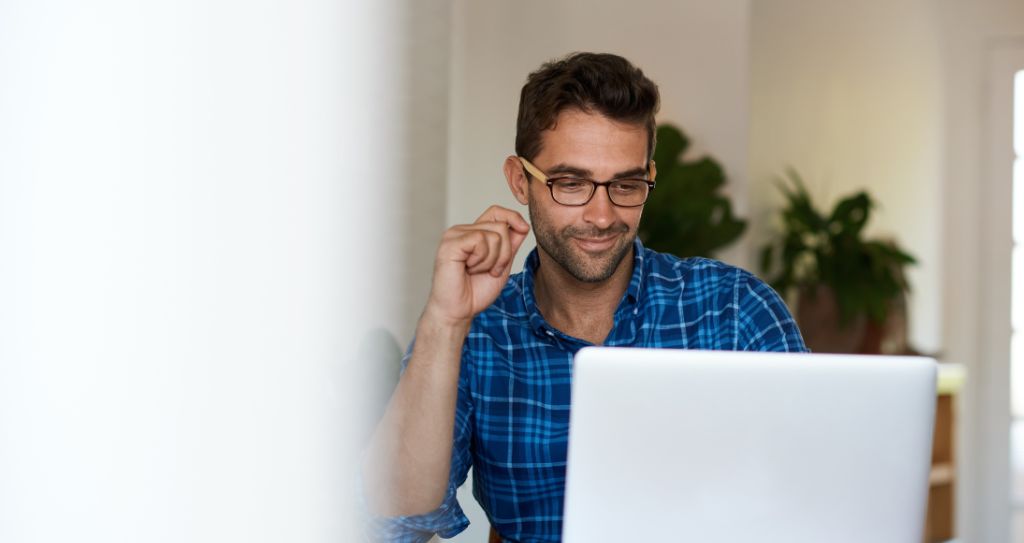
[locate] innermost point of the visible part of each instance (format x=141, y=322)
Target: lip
x=596, y=244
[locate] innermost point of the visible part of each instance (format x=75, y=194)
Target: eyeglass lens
x=622, y=192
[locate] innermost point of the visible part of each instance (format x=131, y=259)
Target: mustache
x=594, y=232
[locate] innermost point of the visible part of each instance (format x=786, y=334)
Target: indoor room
x=219, y=222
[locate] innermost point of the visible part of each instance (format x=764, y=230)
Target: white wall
x=415, y=150
x=695, y=50
x=891, y=96
x=199, y=202
x=976, y=267
x=409, y=136
x=850, y=94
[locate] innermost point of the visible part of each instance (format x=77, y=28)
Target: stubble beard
x=582, y=266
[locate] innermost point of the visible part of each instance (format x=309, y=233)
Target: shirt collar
x=630, y=297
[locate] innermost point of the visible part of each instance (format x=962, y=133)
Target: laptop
x=719, y=446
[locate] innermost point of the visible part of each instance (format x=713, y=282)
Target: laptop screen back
x=674, y=445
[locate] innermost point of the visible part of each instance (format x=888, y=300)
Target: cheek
x=633, y=217
x=628, y=217
x=544, y=210
x=559, y=217
x=537, y=196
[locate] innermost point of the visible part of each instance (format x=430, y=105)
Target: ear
x=518, y=183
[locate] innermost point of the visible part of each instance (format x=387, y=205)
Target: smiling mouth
x=596, y=244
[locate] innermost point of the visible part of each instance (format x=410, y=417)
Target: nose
x=600, y=211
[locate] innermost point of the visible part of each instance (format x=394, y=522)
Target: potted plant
x=685, y=215
x=845, y=285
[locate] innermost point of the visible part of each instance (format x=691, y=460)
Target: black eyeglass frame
x=550, y=182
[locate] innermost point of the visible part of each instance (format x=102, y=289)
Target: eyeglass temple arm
x=532, y=170
x=653, y=169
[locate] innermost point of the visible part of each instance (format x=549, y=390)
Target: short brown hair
x=591, y=82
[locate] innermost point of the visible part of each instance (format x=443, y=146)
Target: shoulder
x=695, y=276
x=745, y=309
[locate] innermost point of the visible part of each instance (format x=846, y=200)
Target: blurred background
x=218, y=221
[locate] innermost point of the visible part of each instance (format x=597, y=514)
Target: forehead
x=593, y=141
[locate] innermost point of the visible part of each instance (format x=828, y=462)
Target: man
x=487, y=380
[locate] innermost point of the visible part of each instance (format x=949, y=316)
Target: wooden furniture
x=940, y=523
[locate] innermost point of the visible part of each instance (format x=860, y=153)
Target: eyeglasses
x=577, y=191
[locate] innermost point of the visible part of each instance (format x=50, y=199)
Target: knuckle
x=454, y=231
x=484, y=237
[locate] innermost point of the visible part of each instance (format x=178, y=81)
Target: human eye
x=571, y=184
x=628, y=186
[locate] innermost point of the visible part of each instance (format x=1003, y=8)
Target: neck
x=580, y=309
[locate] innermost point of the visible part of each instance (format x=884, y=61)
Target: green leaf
x=850, y=215
x=865, y=275
x=686, y=215
x=671, y=144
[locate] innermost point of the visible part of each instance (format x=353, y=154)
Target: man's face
x=589, y=241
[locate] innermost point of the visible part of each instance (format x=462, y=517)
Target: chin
x=596, y=269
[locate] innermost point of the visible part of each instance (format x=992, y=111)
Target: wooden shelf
x=939, y=526
x=943, y=473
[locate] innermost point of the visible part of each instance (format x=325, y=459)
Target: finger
x=508, y=224
x=507, y=270
x=493, y=243
x=463, y=244
x=512, y=240
x=516, y=239
x=482, y=238
x=513, y=219
x=506, y=249
x=472, y=248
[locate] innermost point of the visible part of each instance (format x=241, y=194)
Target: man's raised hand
x=473, y=263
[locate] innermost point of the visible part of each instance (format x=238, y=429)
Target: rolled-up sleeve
x=448, y=519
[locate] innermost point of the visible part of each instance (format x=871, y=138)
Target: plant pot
x=817, y=314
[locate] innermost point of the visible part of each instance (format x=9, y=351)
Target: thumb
x=516, y=238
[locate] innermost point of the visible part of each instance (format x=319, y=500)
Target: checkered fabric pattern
x=512, y=414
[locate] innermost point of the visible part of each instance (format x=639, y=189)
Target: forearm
x=408, y=461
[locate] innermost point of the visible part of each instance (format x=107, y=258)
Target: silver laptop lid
x=708, y=446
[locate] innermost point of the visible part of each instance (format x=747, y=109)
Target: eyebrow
x=567, y=169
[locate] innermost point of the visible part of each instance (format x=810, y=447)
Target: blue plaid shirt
x=512, y=413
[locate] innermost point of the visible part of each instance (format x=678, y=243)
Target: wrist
x=435, y=321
